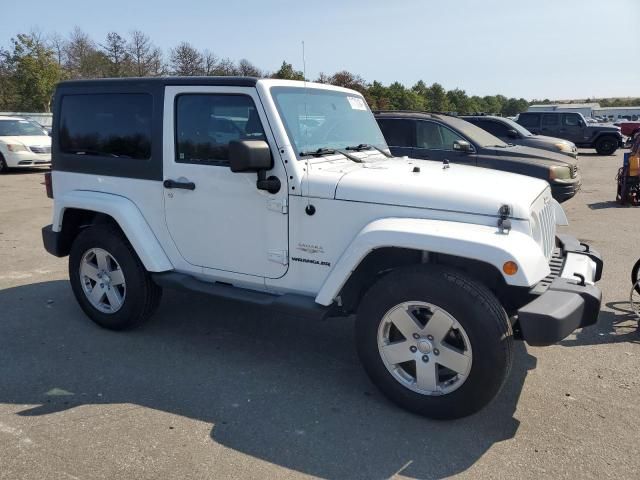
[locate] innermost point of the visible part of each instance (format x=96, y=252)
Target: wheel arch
x=77, y=210
x=477, y=250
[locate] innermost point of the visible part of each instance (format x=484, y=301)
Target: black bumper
x=53, y=242
x=565, y=305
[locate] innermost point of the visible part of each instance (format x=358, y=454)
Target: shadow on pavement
x=603, y=205
x=616, y=326
x=289, y=392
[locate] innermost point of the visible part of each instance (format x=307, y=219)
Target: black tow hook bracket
x=271, y=184
x=581, y=278
x=504, y=224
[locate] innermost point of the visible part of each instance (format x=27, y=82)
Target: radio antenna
x=306, y=115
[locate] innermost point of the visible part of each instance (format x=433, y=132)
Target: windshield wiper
x=329, y=151
x=366, y=146
x=318, y=153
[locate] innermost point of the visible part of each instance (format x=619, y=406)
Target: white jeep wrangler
x=284, y=194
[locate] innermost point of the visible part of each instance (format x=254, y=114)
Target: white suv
x=284, y=194
x=23, y=143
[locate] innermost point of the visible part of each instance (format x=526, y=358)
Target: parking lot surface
x=213, y=389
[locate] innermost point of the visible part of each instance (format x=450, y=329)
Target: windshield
x=475, y=134
x=517, y=127
x=326, y=119
x=19, y=128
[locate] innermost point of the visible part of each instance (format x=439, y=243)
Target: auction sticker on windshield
x=357, y=103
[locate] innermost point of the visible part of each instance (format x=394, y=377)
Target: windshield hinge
x=279, y=256
x=278, y=205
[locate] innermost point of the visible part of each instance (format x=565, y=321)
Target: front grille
x=574, y=171
x=40, y=148
x=555, y=266
x=544, y=217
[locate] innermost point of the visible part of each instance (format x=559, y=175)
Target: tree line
x=32, y=64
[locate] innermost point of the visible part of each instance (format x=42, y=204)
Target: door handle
x=183, y=185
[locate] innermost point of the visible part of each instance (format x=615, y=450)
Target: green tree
x=437, y=98
x=33, y=71
x=403, y=99
x=286, y=72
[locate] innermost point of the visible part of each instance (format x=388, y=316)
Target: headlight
x=558, y=172
x=17, y=147
x=564, y=147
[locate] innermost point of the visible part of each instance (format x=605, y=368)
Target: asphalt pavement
x=215, y=389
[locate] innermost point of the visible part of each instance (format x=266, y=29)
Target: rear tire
x=470, y=346
x=109, y=281
x=606, y=145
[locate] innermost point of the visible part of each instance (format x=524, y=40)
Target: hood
x=28, y=140
x=458, y=188
x=602, y=128
x=533, y=155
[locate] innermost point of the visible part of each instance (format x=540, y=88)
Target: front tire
x=3, y=165
x=606, y=145
x=434, y=341
x=109, y=281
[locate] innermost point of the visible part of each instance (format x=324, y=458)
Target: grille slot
x=40, y=149
x=555, y=266
x=574, y=171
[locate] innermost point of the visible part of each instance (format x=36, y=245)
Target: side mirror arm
x=271, y=184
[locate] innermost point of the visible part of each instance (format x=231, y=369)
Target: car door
x=434, y=141
x=571, y=127
x=400, y=135
x=218, y=219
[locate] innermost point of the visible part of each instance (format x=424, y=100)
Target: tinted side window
x=550, y=120
x=206, y=123
x=529, y=120
x=110, y=125
x=495, y=128
x=433, y=136
x=398, y=133
x=571, y=119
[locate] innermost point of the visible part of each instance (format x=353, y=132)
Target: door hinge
x=279, y=256
x=278, y=205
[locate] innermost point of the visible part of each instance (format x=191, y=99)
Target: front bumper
x=567, y=299
x=26, y=159
x=565, y=190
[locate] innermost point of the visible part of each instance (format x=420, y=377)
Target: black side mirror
x=254, y=156
x=512, y=133
x=249, y=156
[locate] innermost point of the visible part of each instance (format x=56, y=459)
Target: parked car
x=23, y=143
x=573, y=127
x=512, y=132
x=440, y=265
x=438, y=137
x=629, y=129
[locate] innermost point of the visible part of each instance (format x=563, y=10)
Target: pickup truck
x=284, y=194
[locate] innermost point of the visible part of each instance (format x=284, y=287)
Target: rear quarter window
x=529, y=119
x=106, y=125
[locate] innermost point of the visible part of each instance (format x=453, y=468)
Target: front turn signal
x=510, y=268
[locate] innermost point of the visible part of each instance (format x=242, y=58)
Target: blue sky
x=532, y=48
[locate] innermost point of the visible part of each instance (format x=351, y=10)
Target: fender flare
x=128, y=217
x=478, y=242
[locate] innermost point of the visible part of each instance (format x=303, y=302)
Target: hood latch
x=504, y=224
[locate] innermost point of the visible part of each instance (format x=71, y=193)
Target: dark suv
x=573, y=127
x=511, y=132
x=442, y=137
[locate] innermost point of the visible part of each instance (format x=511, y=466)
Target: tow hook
x=504, y=224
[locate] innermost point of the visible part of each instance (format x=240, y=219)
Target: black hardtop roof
x=161, y=81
